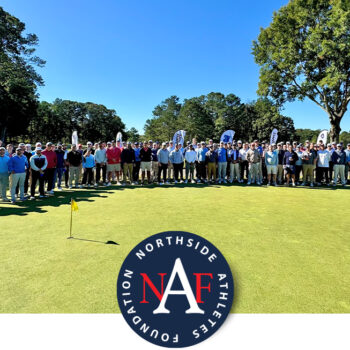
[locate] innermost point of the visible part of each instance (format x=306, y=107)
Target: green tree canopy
x=345, y=137
x=133, y=135
x=208, y=116
x=164, y=122
x=269, y=117
x=56, y=122
x=305, y=53
x=196, y=120
x=18, y=78
x=301, y=135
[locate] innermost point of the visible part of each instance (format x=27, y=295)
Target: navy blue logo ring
x=175, y=289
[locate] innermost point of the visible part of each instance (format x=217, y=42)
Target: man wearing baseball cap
x=211, y=158
x=244, y=162
x=254, y=159
x=74, y=159
x=322, y=169
x=163, y=162
x=176, y=158
x=190, y=157
x=347, y=165
x=136, y=171
x=27, y=151
x=38, y=164
x=60, y=166
x=339, y=160
x=17, y=166
x=51, y=166
x=222, y=163
x=331, y=164
x=113, y=154
x=201, y=159
x=38, y=144
x=309, y=161
x=280, y=170
x=89, y=147
x=170, y=148
x=146, y=158
x=154, y=163
x=4, y=174
x=128, y=160
x=101, y=164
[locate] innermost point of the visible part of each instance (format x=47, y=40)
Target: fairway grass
x=288, y=248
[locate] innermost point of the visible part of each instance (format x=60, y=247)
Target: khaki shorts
x=271, y=169
x=113, y=167
x=145, y=166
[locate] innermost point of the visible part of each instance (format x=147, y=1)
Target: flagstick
x=71, y=219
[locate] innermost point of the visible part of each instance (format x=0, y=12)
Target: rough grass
x=289, y=249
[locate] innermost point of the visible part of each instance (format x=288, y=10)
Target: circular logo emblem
x=175, y=289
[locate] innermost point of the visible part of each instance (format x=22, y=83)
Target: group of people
x=22, y=168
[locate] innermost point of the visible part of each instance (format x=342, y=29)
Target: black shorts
x=290, y=169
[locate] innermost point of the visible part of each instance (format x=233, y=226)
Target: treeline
x=56, y=121
x=208, y=116
x=18, y=78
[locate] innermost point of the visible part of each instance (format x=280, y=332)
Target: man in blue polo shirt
x=4, y=174
x=261, y=151
x=176, y=158
x=222, y=163
x=17, y=167
x=137, y=163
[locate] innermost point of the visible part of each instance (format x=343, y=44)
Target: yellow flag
x=74, y=205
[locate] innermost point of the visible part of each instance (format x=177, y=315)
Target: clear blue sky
x=130, y=55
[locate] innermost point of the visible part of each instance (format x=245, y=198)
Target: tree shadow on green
x=89, y=195
x=60, y=198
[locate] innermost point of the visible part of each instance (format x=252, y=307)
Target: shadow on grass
x=60, y=198
x=93, y=241
x=89, y=195
x=216, y=185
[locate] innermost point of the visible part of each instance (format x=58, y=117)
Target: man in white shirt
x=244, y=163
x=38, y=164
x=101, y=164
x=322, y=170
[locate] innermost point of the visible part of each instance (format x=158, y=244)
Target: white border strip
x=111, y=332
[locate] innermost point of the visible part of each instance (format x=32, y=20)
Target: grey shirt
x=163, y=156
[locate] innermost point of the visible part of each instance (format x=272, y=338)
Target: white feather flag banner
x=119, y=137
x=274, y=136
x=323, y=137
x=179, y=137
x=75, y=138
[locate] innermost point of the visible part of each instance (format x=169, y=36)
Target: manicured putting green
x=289, y=248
